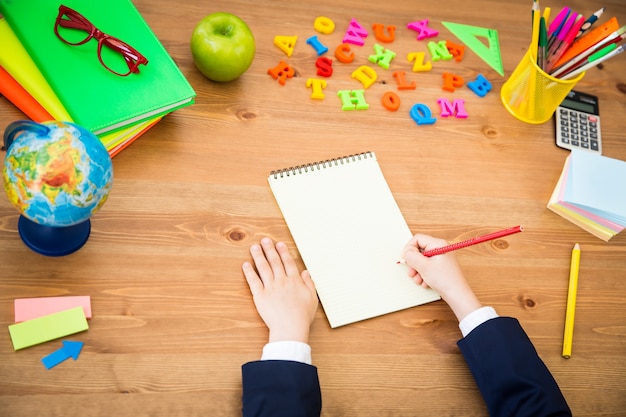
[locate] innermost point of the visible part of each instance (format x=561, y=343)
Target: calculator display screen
x=580, y=106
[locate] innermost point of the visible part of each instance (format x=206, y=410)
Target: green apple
x=222, y=46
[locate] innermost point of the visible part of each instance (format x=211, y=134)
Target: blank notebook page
x=350, y=234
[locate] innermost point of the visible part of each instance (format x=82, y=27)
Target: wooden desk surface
x=173, y=318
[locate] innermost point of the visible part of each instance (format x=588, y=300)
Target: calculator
x=578, y=123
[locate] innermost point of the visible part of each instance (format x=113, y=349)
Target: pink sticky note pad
x=32, y=308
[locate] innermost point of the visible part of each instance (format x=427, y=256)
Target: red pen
x=470, y=242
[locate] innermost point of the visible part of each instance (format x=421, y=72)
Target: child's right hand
x=441, y=273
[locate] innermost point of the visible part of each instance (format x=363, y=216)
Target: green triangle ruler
x=468, y=35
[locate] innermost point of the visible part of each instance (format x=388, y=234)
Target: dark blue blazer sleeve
x=512, y=378
x=281, y=389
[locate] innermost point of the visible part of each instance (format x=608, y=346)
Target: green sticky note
x=50, y=327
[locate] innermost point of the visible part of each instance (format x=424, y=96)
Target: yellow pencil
x=571, y=302
x=546, y=14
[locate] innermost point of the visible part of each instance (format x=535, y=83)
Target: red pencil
x=470, y=242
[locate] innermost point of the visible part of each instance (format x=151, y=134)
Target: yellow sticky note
x=50, y=327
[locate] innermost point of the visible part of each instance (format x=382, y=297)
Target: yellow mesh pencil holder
x=532, y=95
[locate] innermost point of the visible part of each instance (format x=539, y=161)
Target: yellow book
x=16, y=61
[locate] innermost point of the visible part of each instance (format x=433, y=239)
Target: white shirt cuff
x=476, y=318
x=287, y=350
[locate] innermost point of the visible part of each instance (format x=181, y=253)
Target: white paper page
x=350, y=234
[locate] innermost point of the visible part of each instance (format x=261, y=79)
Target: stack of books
x=49, y=79
x=591, y=193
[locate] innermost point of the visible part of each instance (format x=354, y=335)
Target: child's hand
x=285, y=299
x=440, y=272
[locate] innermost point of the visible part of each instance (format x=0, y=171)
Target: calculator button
x=593, y=119
x=594, y=145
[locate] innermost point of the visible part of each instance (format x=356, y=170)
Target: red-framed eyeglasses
x=114, y=54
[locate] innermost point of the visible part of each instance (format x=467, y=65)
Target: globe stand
x=53, y=241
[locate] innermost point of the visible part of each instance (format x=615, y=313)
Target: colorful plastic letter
x=317, y=86
x=382, y=56
x=366, y=75
x=324, y=66
x=422, y=28
x=391, y=101
x=281, y=72
x=439, y=51
x=286, y=43
x=317, y=45
x=324, y=25
x=353, y=100
x=422, y=115
x=457, y=51
x=457, y=108
x=418, y=62
x=379, y=33
x=402, y=82
x=355, y=34
x=344, y=54
x=481, y=86
x=451, y=81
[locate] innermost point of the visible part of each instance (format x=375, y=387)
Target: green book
x=96, y=98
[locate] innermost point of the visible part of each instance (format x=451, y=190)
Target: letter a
x=286, y=43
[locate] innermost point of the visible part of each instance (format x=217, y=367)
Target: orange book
x=17, y=95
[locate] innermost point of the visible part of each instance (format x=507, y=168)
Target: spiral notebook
x=350, y=233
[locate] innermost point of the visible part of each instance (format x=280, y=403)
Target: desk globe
x=57, y=174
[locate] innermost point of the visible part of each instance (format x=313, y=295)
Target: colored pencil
x=469, y=242
x=568, y=333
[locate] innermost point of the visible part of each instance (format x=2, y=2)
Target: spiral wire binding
x=319, y=165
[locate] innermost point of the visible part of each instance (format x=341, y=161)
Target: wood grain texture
x=173, y=318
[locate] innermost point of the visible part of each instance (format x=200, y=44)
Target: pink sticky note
x=32, y=308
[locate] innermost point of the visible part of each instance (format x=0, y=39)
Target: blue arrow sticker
x=70, y=349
